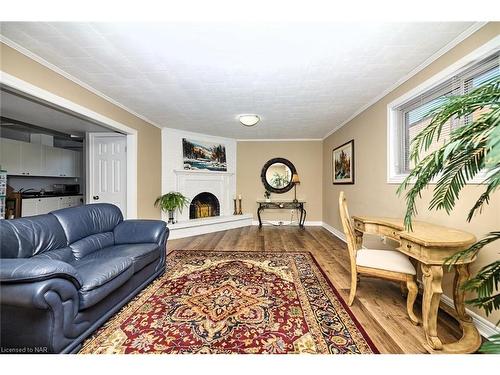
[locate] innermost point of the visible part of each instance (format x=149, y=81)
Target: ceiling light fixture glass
x=249, y=120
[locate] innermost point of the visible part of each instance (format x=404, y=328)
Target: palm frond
x=492, y=236
x=492, y=346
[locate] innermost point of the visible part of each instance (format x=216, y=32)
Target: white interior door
x=107, y=174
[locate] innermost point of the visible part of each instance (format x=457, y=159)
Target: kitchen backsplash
x=37, y=183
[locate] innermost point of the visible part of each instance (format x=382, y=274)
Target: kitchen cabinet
x=10, y=155
x=33, y=159
x=51, y=159
x=39, y=206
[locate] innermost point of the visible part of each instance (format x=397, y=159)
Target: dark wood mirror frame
x=268, y=187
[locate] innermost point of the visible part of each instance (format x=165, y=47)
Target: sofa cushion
x=101, y=276
x=25, y=237
x=83, y=221
x=141, y=254
x=94, y=242
x=65, y=255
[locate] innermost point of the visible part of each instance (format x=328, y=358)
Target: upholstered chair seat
x=388, y=260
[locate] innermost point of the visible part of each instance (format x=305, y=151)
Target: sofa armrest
x=140, y=231
x=27, y=270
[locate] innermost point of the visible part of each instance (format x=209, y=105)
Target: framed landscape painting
x=203, y=155
x=343, y=163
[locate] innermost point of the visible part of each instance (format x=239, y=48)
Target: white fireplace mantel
x=192, y=182
x=199, y=171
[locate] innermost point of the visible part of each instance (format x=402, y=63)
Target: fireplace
x=204, y=205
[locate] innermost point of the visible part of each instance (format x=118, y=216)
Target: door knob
x=95, y=197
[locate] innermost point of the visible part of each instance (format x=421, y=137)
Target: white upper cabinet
x=33, y=159
x=51, y=161
x=10, y=156
x=67, y=163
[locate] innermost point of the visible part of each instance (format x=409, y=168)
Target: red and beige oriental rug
x=235, y=302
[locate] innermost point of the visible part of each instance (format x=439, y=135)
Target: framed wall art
x=343, y=163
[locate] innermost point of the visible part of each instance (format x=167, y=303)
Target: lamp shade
x=295, y=178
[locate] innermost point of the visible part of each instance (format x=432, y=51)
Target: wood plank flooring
x=379, y=305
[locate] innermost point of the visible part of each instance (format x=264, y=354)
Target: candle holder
x=235, y=207
x=240, y=211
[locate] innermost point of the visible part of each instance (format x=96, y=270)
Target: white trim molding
x=394, y=176
x=485, y=327
x=16, y=84
x=471, y=30
x=280, y=140
x=337, y=233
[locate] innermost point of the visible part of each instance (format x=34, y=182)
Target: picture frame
x=202, y=155
x=343, y=164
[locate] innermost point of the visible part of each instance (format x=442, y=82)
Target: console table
x=430, y=245
x=284, y=204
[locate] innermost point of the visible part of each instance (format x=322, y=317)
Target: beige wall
x=372, y=195
x=306, y=156
x=149, y=136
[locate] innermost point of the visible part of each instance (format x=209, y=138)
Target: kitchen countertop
x=48, y=195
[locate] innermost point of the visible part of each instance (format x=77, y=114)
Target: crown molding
x=66, y=75
x=460, y=38
x=279, y=140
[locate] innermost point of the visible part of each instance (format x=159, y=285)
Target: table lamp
x=296, y=181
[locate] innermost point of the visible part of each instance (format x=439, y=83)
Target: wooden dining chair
x=385, y=264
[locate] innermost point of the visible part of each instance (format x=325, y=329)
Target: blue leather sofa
x=63, y=274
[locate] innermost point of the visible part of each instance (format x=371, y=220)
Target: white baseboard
x=337, y=233
x=485, y=327
x=287, y=223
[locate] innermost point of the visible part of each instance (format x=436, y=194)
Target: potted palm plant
x=171, y=202
x=472, y=148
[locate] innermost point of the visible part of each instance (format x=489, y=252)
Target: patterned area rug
x=235, y=302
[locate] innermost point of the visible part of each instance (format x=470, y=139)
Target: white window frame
x=394, y=130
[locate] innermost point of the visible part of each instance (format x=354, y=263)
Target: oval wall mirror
x=277, y=175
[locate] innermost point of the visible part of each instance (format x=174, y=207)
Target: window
x=412, y=114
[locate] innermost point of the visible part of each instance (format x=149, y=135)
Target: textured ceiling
x=303, y=80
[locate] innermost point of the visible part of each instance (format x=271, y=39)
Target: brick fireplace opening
x=204, y=205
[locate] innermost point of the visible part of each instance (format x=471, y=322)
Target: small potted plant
x=267, y=195
x=170, y=202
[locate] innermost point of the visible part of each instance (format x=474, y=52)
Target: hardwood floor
x=379, y=305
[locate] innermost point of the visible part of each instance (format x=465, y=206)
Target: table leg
x=304, y=218
x=432, y=278
x=471, y=340
x=258, y=216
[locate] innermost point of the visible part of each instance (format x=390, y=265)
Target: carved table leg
x=432, y=277
x=471, y=340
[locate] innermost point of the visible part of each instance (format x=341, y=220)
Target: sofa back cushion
x=83, y=221
x=29, y=236
x=94, y=242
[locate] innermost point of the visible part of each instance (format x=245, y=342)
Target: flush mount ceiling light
x=249, y=120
